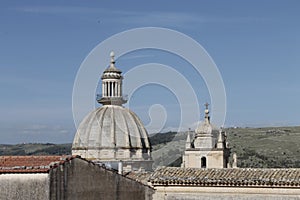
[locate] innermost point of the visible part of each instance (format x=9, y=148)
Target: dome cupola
x=112, y=85
x=204, y=137
x=205, y=127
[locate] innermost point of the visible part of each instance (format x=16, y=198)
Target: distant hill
x=255, y=147
x=266, y=147
x=269, y=147
x=35, y=149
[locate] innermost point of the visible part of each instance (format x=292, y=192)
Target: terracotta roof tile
x=141, y=177
x=30, y=164
x=227, y=177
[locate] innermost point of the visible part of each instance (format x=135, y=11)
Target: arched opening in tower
x=203, y=162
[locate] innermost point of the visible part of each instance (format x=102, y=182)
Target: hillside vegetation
x=35, y=149
x=266, y=147
x=255, y=147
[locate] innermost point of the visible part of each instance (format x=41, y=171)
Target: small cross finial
x=206, y=105
x=207, y=118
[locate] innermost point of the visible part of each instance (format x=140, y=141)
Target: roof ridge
x=29, y=164
x=265, y=177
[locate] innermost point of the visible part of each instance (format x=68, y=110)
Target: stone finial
x=112, y=59
x=112, y=55
x=188, y=140
x=234, y=163
x=220, y=144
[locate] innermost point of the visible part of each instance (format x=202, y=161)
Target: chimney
x=120, y=167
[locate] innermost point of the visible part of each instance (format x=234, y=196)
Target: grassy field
x=266, y=147
x=273, y=147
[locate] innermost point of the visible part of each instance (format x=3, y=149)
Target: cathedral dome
x=113, y=134
x=111, y=127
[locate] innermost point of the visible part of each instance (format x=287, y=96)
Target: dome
x=111, y=126
x=111, y=134
x=204, y=128
x=205, y=133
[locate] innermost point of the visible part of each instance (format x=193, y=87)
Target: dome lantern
x=112, y=85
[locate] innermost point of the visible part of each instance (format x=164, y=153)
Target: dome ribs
x=113, y=128
x=100, y=125
x=127, y=136
x=108, y=131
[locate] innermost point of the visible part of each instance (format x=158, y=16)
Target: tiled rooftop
x=141, y=177
x=249, y=177
x=30, y=164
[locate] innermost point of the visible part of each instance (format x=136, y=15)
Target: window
x=203, y=162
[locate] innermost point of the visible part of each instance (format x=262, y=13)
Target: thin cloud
x=156, y=18
x=176, y=18
x=140, y=18
x=57, y=9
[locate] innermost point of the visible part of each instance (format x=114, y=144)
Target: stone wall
x=24, y=186
x=225, y=193
x=79, y=179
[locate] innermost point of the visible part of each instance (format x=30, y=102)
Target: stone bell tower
x=207, y=148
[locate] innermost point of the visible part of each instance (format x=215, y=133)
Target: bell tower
x=208, y=148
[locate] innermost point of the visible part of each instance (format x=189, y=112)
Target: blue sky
x=255, y=45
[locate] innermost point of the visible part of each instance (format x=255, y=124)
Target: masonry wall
x=24, y=186
x=215, y=159
x=225, y=193
x=82, y=180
